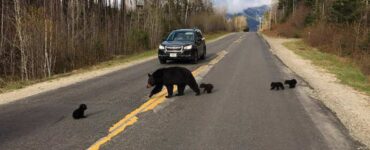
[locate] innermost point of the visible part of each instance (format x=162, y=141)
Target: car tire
x=195, y=58
x=203, y=57
x=162, y=61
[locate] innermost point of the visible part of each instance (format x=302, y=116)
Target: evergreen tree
x=346, y=11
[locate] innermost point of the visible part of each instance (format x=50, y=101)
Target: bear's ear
x=149, y=75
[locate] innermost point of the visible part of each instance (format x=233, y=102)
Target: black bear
x=207, y=87
x=172, y=76
x=277, y=85
x=292, y=83
x=79, y=113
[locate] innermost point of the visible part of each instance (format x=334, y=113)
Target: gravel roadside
x=350, y=106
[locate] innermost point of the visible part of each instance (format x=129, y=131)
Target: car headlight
x=161, y=47
x=189, y=47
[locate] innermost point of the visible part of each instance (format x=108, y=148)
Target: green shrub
x=2, y=83
x=310, y=19
x=138, y=39
x=346, y=11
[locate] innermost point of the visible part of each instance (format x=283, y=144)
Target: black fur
x=207, y=87
x=292, y=83
x=277, y=86
x=79, y=113
x=172, y=76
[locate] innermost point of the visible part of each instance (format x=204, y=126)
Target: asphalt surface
x=241, y=113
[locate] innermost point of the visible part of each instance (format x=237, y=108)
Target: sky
x=236, y=6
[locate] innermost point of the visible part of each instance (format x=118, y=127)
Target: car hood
x=176, y=43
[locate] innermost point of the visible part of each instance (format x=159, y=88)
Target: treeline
x=40, y=38
x=340, y=27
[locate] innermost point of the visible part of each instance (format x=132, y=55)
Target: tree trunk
x=73, y=23
x=2, y=28
x=293, y=8
x=21, y=38
x=186, y=12
x=366, y=12
x=47, y=71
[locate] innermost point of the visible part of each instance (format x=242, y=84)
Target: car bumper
x=186, y=55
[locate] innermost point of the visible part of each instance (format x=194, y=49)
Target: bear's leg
x=195, y=88
x=272, y=87
x=278, y=87
x=156, y=90
x=169, y=90
x=181, y=89
x=193, y=84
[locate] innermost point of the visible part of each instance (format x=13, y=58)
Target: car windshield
x=181, y=36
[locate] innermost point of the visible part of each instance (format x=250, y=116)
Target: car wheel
x=195, y=58
x=162, y=61
x=204, y=54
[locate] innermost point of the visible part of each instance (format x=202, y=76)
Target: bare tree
x=40, y=38
x=22, y=39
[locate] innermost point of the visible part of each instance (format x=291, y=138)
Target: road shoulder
x=350, y=106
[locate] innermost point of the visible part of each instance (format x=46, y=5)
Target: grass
x=344, y=69
x=12, y=85
x=7, y=86
x=118, y=60
x=212, y=36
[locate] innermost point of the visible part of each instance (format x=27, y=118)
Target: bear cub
x=172, y=76
x=277, y=85
x=292, y=83
x=207, y=87
x=79, y=113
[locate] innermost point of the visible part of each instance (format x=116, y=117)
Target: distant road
x=242, y=113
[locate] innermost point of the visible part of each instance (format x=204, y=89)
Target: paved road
x=242, y=113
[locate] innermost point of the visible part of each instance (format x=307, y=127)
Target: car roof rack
x=194, y=29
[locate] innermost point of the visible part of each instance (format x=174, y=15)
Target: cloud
x=235, y=6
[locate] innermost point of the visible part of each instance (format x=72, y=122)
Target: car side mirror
x=164, y=39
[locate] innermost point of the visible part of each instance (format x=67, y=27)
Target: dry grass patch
x=344, y=68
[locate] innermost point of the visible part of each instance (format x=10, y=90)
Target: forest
x=41, y=38
x=339, y=27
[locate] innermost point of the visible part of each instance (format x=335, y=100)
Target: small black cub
x=79, y=113
x=292, y=83
x=207, y=87
x=277, y=85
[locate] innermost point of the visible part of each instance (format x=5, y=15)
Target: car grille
x=174, y=49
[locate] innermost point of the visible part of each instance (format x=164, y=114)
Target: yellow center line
x=152, y=103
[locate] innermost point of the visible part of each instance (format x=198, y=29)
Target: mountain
x=253, y=14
